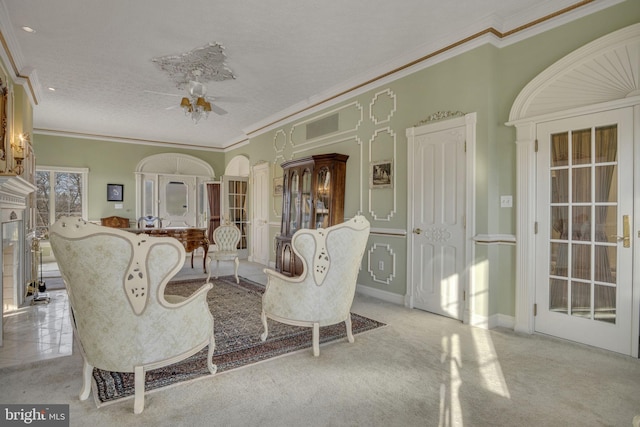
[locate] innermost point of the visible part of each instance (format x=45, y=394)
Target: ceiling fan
x=196, y=105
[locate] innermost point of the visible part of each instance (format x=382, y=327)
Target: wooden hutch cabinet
x=313, y=197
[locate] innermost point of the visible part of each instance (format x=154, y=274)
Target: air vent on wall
x=322, y=126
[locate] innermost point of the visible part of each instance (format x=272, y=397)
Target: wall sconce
x=19, y=151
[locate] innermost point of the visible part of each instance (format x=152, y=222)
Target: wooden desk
x=191, y=238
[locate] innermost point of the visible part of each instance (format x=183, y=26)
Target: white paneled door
x=438, y=235
x=584, y=261
x=260, y=214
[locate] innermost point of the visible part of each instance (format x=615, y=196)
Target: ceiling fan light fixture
x=185, y=103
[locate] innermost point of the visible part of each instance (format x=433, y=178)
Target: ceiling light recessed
x=52, y=89
x=28, y=29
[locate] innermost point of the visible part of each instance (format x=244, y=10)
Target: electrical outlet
x=381, y=265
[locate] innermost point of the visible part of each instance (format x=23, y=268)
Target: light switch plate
x=506, y=201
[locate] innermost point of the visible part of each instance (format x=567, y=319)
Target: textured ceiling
x=285, y=55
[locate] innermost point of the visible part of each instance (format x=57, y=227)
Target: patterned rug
x=237, y=328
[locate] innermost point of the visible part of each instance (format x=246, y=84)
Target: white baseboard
x=380, y=294
x=493, y=321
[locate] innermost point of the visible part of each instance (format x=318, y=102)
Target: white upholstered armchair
x=323, y=294
x=123, y=322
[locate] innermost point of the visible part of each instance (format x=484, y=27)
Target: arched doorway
x=577, y=147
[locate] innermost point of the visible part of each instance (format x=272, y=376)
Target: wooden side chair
x=225, y=238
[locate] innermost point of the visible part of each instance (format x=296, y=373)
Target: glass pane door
x=323, y=200
x=583, y=244
x=236, y=188
x=584, y=261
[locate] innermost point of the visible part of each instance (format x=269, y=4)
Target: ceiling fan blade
x=162, y=93
x=228, y=99
x=218, y=110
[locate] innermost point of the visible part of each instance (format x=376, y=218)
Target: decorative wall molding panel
x=279, y=140
x=602, y=71
x=382, y=106
x=382, y=145
x=380, y=255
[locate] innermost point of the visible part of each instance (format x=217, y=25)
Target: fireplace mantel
x=14, y=191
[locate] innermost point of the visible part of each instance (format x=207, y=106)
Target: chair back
x=115, y=222
x=226, y=238
x=116, y=280
x=331, y=260
x=149, y=221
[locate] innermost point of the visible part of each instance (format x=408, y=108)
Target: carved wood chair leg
x=264, y=335
x=316, y=339
x=87, y=370
x=138, y=400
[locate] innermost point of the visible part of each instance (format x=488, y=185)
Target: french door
x=584, y=258
x=234, y=207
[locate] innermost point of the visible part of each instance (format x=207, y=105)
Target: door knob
x=417, y=230
x=626, y=232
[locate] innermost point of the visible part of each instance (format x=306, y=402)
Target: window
x=60, y=191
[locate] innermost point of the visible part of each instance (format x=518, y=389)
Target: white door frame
x=538, y=102
x=471, y=310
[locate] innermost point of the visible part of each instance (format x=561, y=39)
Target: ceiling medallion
x=206, y=62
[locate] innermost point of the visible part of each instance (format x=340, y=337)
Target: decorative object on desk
x=121, y=317
x=381, y=174
x=226, y=238
x=115, y=192
x=115, y=222
x=236, y=310
x=277, y=186
x=323, y=294
x=149, y=221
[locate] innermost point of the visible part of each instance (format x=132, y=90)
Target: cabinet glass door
x=323, y=199
x=294, y=204
x=306, y=199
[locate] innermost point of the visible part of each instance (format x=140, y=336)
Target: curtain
x=213, y=196
x=580, y=201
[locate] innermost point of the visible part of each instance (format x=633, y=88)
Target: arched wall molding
x=175, y=164
x=602, y=75
x=606, y=69
x=238, y=166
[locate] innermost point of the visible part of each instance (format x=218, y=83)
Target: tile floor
x=37, y=332
x=40, y=332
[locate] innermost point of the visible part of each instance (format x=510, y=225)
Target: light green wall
x=485, y=80
x=108, y=163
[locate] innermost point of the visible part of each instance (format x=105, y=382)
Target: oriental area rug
x=236, y=312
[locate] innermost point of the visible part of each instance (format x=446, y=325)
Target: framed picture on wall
x=277, y=186
x=115, y=192
x=381, y=174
